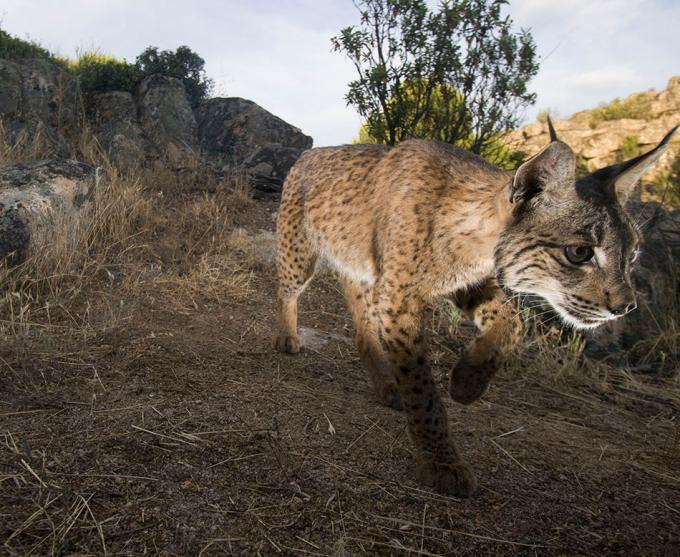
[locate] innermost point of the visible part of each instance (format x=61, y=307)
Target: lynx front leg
x=401, y=332
x=499, y=326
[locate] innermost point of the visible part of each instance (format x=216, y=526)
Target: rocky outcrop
x=167, y=119
x=603, y=142
x=33, y=191
x=39, y=107
x=239, y=132
x=41, y=111
x=117, y=126
x=235, y=127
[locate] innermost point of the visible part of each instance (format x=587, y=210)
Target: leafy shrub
x=98, y=73
x=666, y=187
x=582, y=167
x=630, y=147
x=184, y=64
x=636, y=107
x=13, y=48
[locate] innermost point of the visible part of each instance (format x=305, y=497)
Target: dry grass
x=27, y=146
x=142, y=410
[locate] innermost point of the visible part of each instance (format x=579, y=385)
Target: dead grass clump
x=209, y=269
x=33, y=144
x=70, y=253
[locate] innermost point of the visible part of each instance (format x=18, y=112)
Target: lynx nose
x=623, y=309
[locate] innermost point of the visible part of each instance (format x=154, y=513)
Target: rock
x=117, y=127
x=269, y=166
x=242, y=133
x=167, y=119
x=40, y=110
x=39, y=107
x=31, y=192
x=600, y=143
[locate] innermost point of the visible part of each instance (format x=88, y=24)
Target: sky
x=278, y=52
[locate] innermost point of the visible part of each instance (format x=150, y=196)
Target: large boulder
x=32, y=192
x=167, y=119
x=116, y=125
x=39, y=107
x=238, y=131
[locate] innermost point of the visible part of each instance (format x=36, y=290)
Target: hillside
x=612, y=132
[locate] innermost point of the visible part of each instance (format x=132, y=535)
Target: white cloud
x=596, y=51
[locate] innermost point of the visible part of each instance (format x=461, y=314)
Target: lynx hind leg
x=499, y=331
x=296, y=261
x=359, y=298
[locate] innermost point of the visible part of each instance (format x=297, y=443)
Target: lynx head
x=570, y=240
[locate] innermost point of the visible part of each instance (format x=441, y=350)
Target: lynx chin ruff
x=405, y=225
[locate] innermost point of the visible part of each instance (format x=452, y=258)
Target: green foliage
x=458, y=74
x=98, y=73
x=13, y=48
x=666, y=187
x=184, y=64
x=433, y=125
x=582, y=167
x=630, y=147
x=498, y=153
x=637, y=107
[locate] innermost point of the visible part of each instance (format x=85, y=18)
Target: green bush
x=630, y=147
x=184, y=64
x=98, y=73
x=13, y=48
x=582, y=167
x=637, y=107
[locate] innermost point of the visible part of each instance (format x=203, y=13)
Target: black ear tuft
x=624, y=176
x=551, y=170
x=551, y=130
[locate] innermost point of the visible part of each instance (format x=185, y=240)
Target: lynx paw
x=287, y=343
x=449, y=479
x=468, y=382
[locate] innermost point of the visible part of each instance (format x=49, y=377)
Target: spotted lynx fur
x=406, y=225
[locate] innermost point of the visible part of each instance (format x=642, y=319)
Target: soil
x=176, y=430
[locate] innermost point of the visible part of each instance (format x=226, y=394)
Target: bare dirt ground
x=169, y=427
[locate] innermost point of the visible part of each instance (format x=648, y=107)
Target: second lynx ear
x=624, y=176
x=551, y=170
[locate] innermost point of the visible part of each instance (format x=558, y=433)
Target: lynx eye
x=578, y=255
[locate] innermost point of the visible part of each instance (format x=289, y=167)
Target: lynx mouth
x=578, y=319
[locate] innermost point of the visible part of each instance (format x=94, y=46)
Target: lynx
x=405, y=225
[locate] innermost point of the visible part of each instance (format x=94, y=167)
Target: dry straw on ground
x=143, y=412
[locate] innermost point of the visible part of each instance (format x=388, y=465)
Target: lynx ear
x=552, y=169
x=624, y=176
x=551, y=130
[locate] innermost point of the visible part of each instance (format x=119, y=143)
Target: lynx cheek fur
x=405, y=225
